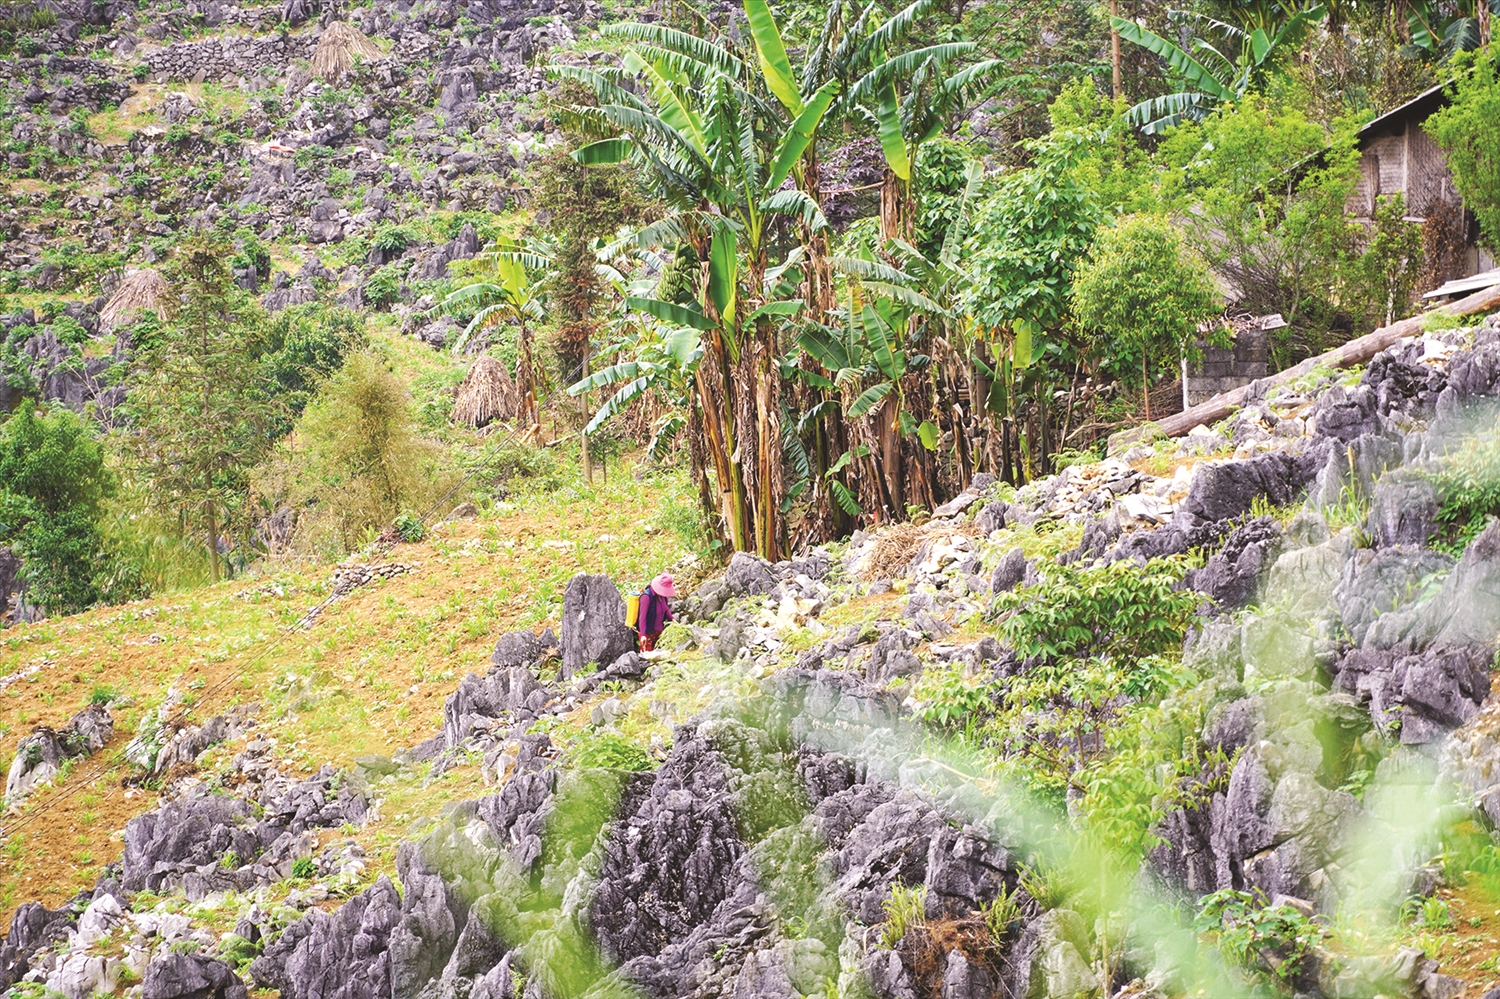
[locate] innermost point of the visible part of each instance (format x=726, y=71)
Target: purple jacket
x=653, y=614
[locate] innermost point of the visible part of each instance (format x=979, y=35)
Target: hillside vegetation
x=360, y=360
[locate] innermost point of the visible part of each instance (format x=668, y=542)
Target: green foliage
x=103, y=695
x=1029, y=235
x=1391, y=263
x=409, y=528
x=383, y=288
x=1279, y=236
x=941, y=177
x=1118, y=610
x=304, y=344
x=53, y=481
x=304, y=868
x=904, y=910
x=1465, y=130
x=1001, y=915
x=1468, y=483
x=391, y=239
x=1273, y=941
x=611, y=751
x=201, y=401
x=1141, y=296
x=355, y=461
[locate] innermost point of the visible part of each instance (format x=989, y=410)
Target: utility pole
x=1114, y=47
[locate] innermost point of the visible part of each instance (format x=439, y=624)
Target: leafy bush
x=52, y=483
x=305, y=344
x=1140, y=297
x=409, y=528
x=304, y=868
x=1274, y=941
x=1117, y=610
x=391, y=239
x=611, y=751
x=1468, y=483
x=355, y=461
x=1465, y=129
x=383, y=289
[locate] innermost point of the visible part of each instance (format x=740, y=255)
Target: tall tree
x=201, y=402
x=52, y=481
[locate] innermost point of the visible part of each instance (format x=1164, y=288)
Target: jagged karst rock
x=33, y=928
x=342, y=955
x=593, y=624
x=190, y=976
x=40, y=754
x=1403, y=510
x=749, y=576
x=1233, y=572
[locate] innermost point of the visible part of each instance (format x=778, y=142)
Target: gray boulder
x=749, y=576
x=524, y=648
x=593, y=624
x=40, y=754
x=339, y=955
x=190, y=976
x=1403, y=510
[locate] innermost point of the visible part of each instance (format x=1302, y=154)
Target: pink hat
x=664, y=585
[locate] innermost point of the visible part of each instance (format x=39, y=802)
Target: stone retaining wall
x=228, y=55
x=1225, y=368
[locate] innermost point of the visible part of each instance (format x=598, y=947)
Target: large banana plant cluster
x=727, y=132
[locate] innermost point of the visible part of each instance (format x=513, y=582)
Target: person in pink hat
x=653, y=615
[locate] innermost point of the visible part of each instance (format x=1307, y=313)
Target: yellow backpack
x=632, y=609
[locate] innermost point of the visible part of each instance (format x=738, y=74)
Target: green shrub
x=383, y=289
x=1120, y=609
x=52, y=483
x=1273, y=941
x=409, y=528
x=905, y=910
x=611, y=751
x=1468, y=483
x=304, y=868
x=1466, y=131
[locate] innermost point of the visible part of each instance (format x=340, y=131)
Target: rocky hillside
x=351, y=163
x=1210, y=717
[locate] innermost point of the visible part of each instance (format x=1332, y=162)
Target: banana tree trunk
x=897, y=208
x=888, y=433
x=712, y=385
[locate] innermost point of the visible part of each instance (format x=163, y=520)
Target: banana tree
x=912, y=97
x=721, y=153
x=864, y=363
x=1445, y=27
x=1209, y=76
x=841, y=55
x=505, y=289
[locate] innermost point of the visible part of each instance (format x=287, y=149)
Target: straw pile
x=138, y=291
x=338, y=46
x=487, y=394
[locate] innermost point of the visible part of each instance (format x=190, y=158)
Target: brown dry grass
x=338, y=46
x=139, y=291
x=487, y=394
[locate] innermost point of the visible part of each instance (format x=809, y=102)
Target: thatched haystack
x=138, y=291
x=338, y=45
x=488, y=393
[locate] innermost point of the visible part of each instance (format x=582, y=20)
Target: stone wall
x=228, y=55
x=1225, y=368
